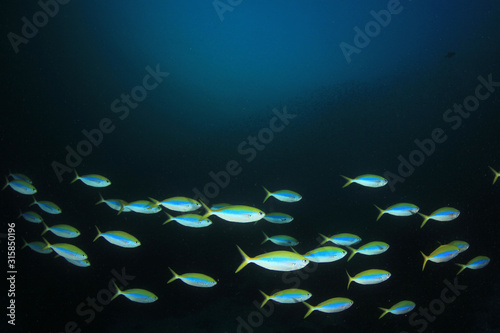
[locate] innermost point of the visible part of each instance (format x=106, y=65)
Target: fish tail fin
x=99, y=233
x=101, y=199
x=354, y=251
x=425, y=260
x=349, y=181
x=325, y=239
x=156, y=203
x=462, y=267
x=268, y=194
x=350, y=279
x=46, y=228
x=310, y=309
x=25, y=243
x=6, y=183
x=381, y=212
x=175, y=277
x=170, y=218
x=246, y=259
x=496, y=174
x=118, y=291
x=426, y=218
x=47, y=244
x=208, y=213
x=266, y=238
x=34, y=202
x=76, y=177
x=266, y=298
x=384, y=313
x=20, y=213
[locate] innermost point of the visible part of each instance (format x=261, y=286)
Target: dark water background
x=225, y=79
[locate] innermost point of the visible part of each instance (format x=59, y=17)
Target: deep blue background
x=225, y=78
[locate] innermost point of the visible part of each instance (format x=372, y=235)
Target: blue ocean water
x=215, y=99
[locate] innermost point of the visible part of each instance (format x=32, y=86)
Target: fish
x=332, y=305
x=235, y=213
x=47, y=206
x=118, y=238
x=444, y=214
x=443, y=253
x=325, y=254
x=370, y=276
x=283, y=261
x=115, y=204
x=135, y=295
x=62, y=230
x=399, y=308
x=141, y=206
x=20, y=186
x=36, y=246
x=343, y=239
x=20, y=176
x=495, y=173
x=177, y=204
x=31, y=217
x=193, y=279
x=287, y=296
x=92, y=180
x=282, y=240
x=462, y=246
x=400, y=209
x=189, y=220
x=79, y=263
x=66, y=250
x=369, y=249
x=475, y=263
x=366, y=180
x=283, y=195
x=278, y=218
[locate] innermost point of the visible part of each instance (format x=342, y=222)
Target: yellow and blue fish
x=276, y=261
x=367, y=180
x=332, y=305
x=287, y=296
x=189, y=220
x=283, y=195
x=343, y=239
x=67, y=251
x=135, y=295
x=115, y=204
x=193, y=279
x=20, y=186
x=92, y=180
x=31, y=217
x=475, y=263
x=443, y=253
x=142, y=207
x=369, y=249
x=444, y=214
x=235, y=213
x=282, y=240
x=36, y=246
x=399, y=308
x=370, y=276
x=118, y=238
x=62, y=230
x=47, y=206
x=326, y=254
x=20, y=176
x=177, y=204
x=400, y=209
x=278, y=218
